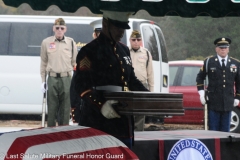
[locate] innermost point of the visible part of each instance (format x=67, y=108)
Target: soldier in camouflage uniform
x=223, y=75
x=103, y=62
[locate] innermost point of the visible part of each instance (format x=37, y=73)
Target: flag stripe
x=161, y=150
x=7, y=139
x=50, y=137
x=75, y=145
x=217, y=149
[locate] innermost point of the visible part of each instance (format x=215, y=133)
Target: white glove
x=108, y=111
x=236, y=102
x=44, y=87
x=202, y=98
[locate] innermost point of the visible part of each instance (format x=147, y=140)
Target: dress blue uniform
x=104, y=62
x=220, y=93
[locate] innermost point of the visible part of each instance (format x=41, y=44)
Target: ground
x=158, y=127
x=148, y=127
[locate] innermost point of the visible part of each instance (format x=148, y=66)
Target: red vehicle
x=182, y=79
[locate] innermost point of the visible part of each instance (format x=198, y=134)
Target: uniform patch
x=213, y=69
x=52, y=45
x=128, y=60
x=189, y=149
x=142, y=57
x=233, y=68
x=85, y=64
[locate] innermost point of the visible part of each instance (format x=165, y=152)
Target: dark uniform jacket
x=220, y=91
x=99, y=63
x=75, y=101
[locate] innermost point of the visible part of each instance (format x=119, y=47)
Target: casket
x=147, y=103
x=63, y=143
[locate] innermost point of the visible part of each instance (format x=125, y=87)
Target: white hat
x=119, y=19
x=97, y=24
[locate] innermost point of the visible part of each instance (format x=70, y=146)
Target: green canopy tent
x=183, y=8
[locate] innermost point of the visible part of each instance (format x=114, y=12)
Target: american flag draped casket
x=62, y=143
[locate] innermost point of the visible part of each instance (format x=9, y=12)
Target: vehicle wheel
x=235, y=120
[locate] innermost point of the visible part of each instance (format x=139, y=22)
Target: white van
x=21, y=38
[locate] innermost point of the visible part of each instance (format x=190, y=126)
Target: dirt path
x=20, y=123
x=158, y=127
x=148, y=127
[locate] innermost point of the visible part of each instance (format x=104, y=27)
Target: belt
x=59, y=75
x=109, y=88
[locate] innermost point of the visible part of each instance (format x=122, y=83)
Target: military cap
x=60, y=21
x=136, y=34
x=222, y=42
x=97, y=25
x=118, y=19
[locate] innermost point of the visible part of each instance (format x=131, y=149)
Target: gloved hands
x=108, y=111
x=44, y=87
x=202, y=98
x=236, y=102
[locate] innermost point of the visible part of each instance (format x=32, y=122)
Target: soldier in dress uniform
x=97, y=28
x=223, y=74
x=76, y=101
x=58, y=57
x=143, y=68
x=106, y=63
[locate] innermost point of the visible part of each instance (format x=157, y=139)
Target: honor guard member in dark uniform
x=76, y=101
x=105, y=64
x=223, y=75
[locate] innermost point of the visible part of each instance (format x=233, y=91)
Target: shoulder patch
x=84, y=64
